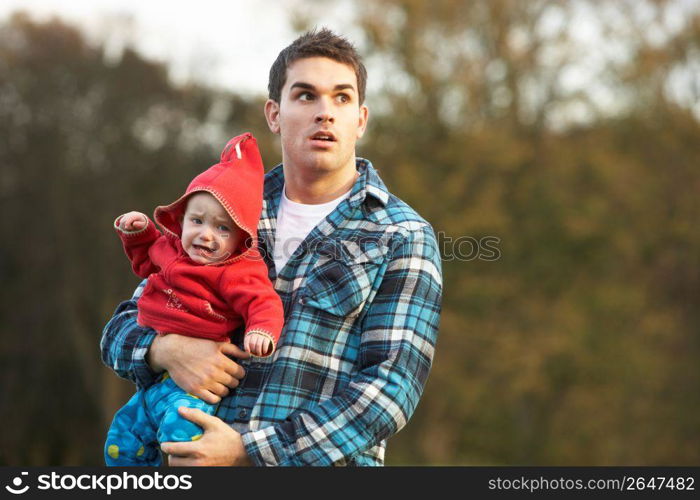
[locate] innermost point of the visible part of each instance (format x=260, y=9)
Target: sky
x=229, y=44
x=232, y=44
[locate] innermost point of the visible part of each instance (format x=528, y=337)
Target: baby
x=206, y=278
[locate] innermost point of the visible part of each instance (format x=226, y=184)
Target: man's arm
x=398, y=338
x=124, y=343
x=199, y=366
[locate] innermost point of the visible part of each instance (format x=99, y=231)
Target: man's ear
x=362, y=124
x=272, y=114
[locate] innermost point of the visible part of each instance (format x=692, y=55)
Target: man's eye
x=306, y=96
x=343, y=98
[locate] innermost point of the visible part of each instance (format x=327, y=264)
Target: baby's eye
x=196, y=220
x=224, y=228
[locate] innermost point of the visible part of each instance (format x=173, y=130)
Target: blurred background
x=568, y=130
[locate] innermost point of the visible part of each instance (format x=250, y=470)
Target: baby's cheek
x=186, y=238
x=228, y=241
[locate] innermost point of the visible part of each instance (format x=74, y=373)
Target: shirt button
x=243, y=413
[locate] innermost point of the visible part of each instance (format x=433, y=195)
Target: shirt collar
x=367, y=184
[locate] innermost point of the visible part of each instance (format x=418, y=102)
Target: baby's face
x=209, y=235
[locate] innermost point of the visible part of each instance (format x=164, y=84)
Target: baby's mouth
x=211, y=254
x=204, y=251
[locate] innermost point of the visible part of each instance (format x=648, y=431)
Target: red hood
x=236, y=182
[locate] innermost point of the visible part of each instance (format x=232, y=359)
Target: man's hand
x=219, y=446
x=198, y=366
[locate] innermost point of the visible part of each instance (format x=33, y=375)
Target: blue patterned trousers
x=149, y=418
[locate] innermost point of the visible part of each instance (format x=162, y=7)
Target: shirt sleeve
x=399, y=332
x=124, y=343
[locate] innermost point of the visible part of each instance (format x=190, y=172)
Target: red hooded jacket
x=208, y=301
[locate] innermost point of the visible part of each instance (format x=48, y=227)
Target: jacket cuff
x=264, y=333
x=266, y=449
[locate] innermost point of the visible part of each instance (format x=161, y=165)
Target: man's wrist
x=152, y=355
x=242, y=458
x=264, y=447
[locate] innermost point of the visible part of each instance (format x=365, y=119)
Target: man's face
x=208, y=233
x=319, y=116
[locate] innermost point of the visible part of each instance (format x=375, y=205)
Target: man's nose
x=325, y=112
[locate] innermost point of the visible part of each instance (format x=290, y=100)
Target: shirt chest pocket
x=342, y=278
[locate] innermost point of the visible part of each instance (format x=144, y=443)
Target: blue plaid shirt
x=361, y=300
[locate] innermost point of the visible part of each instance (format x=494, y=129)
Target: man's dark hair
x=323, y=43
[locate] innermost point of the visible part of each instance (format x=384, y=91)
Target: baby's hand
x=257, y=344
x=133, y=221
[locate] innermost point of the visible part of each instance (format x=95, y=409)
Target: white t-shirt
x=294, y=222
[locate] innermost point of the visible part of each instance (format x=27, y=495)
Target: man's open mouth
x=323, y=136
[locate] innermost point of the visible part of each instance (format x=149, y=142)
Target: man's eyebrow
x=344, y=86
x=308, y=86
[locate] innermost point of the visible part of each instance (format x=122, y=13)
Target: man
x=358, y=272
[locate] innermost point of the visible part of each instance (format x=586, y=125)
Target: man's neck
x=313, y=188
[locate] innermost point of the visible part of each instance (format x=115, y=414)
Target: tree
x=87, y=138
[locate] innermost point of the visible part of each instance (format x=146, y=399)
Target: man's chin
x=324, y=161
